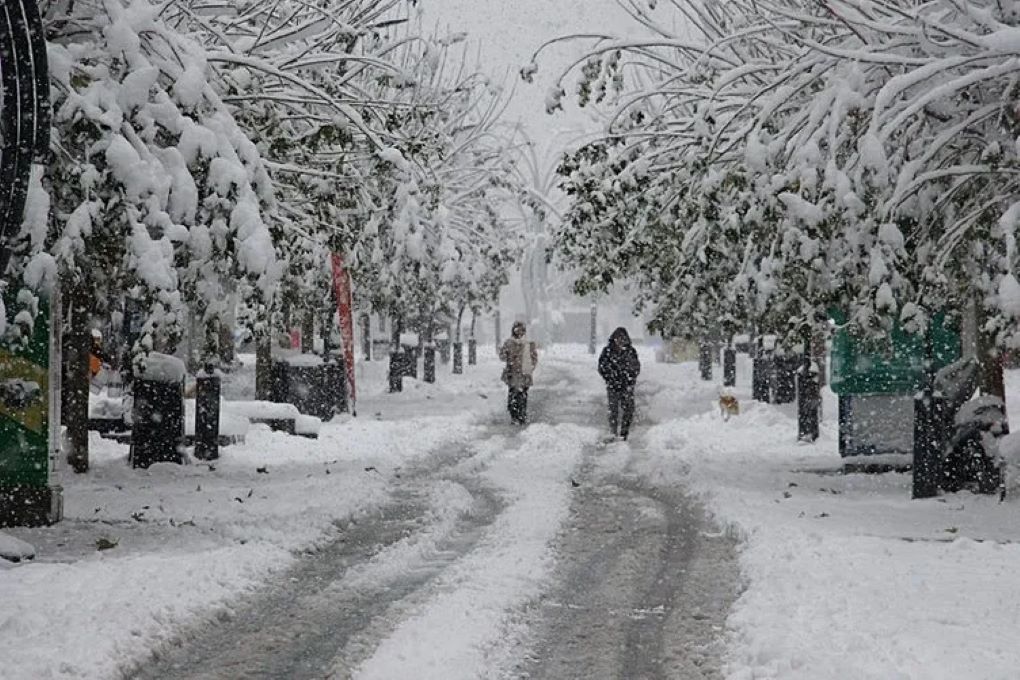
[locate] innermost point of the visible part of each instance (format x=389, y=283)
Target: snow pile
x=14, y=549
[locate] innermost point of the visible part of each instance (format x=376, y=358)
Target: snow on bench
x=107, y=415
x=282, y=417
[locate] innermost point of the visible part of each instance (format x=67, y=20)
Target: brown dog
x=728, y=406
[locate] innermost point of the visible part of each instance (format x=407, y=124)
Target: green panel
x=24, y=412
x=894, y=366
x=23, y=456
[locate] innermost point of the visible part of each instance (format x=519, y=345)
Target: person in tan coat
x=520, y=357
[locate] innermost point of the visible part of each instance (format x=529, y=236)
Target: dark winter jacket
x=619, y=365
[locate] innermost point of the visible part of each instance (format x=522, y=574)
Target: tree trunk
x=428, y=343
x=227, y=354
x=820, y=354
x=396, y=328
x=210, y=343
x=366, y=338
x=307, y=331
x=472, y=341
x=264, y=363
x=228, y=322
x=397, y=359
x=990, y=356
x=77, y=344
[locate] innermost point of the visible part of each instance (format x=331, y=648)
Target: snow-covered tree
x=850, y=154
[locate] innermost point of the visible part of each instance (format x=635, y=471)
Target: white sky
x=509, y=31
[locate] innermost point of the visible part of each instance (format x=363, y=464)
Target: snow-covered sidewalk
x=846, y=577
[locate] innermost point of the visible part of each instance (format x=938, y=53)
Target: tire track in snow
x=643, y=585
x=294, y=627
x=467, y=628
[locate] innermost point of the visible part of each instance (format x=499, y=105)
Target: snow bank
x=14, y=549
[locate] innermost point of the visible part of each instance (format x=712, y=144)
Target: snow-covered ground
x=845, y=576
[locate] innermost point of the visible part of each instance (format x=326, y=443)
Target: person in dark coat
x=619, y=366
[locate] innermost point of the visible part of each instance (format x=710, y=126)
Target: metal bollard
x=808, y=402
x=929, y=440
x=207, y=415
x=705, y=361
x=335, y=387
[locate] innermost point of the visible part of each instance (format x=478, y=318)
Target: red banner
x=345, y=312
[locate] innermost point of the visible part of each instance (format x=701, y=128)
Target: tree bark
x=990, y=357
x=77, y=345
x=264, y=363
x=366, y=338
x=308, y=331
x=460, y=318
x=428, y=343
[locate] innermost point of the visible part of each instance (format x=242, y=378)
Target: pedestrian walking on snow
x=619, y=366
x=520, y=356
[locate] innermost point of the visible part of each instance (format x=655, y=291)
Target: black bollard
x=207, y=415
x=396, y=371
x=929, y=440
x=430, y=364
x=472, y=352
x=757, y=379
x=458, y=358
x=729, y=367
x=808, y=403
x=845, y=418
x=335, y=387
x=705, y=361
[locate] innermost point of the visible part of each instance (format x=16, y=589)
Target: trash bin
x=304, y=381
x=157, y=427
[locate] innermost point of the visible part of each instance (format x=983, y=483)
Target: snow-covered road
x=522, y=553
